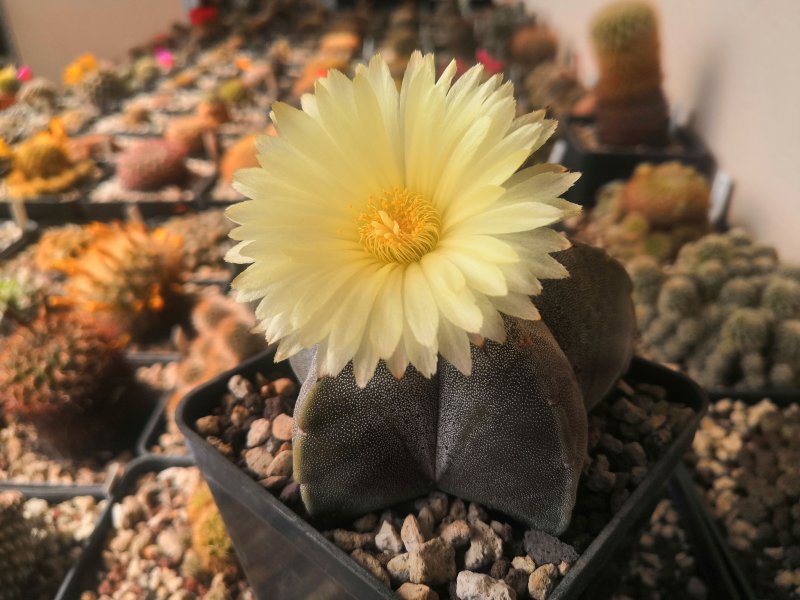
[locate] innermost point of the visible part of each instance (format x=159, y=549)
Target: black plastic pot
x=47, y=209
x=88, y=564
x=30, y=235
x=600, y=165
x=304, y=564
x=723, y=575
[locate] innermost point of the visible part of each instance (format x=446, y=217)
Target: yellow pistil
x=399, y=226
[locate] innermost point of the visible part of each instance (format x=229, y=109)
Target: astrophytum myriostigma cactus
x=511, y=436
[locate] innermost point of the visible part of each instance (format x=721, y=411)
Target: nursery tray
x=606, y=163
x=89, y=561
x=723, y=575
x=779, y=397
x=306, y=565
x=156, y=425
x=100, y=488
x=47, y=209
x=30, y=235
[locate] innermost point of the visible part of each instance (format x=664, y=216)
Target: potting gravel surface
x=112, y=190
x=747, y=462
x=9, y=233
x=439, y=546
x=662, y=564
x=148, y=552
x=59, y=531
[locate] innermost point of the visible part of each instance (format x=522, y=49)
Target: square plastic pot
x=600, y=165
x=303, y=564
x=89, y=561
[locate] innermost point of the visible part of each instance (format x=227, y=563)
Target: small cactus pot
x=601, y=163
x=303, y=563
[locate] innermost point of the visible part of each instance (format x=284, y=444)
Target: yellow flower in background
x=395, y=225
x=77, y=70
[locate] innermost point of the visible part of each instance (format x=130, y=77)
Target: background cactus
x=40, y=94
x=151, y=165
x=42, y=165
x=661, y=208
x=431, y=432
x=210, y=539
x=128, y=273
x=17, y=554
x=531, y=45
x=631, y=107
x=726, y=311
x=234, y=92
x=189, y=133
x=241, y=155
x=104, y=89
x=57, y=373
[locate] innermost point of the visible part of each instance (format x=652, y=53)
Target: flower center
x=399, y=226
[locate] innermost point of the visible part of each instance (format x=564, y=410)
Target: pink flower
x=491, y=65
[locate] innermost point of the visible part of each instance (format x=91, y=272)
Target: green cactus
x=210, y=539
x=17, y=548
x=782, y=297
x=746, y=329
x=432, y=432
x=783, y=375
x=679, y=297
x=631, y=107
x=787, y=342
x=647, y=276
x=152, y=165
x=739, y=292
x=104, y=89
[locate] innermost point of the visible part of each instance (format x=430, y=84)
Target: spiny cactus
x=17, y=554
x=128, y=273
x=58, y=245
x=724, y=321
x=42, y=165
x=205, y=238
x=631, y=107
x=189, y=133
x=56, y=373
x=104, y=89
x=667, y=195
x=241, y=155
x=145, y=72
x=151, y=165
x=40, y=94
x=554, y=86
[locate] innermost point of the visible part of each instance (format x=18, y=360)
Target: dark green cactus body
x=511, y=436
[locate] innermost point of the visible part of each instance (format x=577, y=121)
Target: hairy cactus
x=631, y=107
x=241, y=155
x=554, y=86
x=151, y=165
x=128, y=273
x=104, y=89
x=56, y=373
x=42, y=165
x=17, y=554
x=679, y=297
x=667, y=195
x=61, y=244
x=782, y=297
x=433, y=431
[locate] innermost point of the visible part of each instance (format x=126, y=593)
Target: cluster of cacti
x=631, y=106
x=657, y=211
x=726, y=311
x=205, y=237
x=531, y=45
x=17, y=552
x=151, y=165
x=42, y=165
x=210, y=539
x=104, y=89
x=128, y=273
x=56, y=373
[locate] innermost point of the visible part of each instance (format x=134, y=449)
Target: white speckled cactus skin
x=512, y=436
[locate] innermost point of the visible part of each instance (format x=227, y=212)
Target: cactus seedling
x=631, y=107
x=151, y=165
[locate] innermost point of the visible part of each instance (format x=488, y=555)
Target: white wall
x=734, y=65
x=48, y=34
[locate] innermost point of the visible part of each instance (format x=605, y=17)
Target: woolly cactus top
x=619, y=27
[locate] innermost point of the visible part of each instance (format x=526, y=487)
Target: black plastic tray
x=88, y=562
x=722, y=574
x=607, y=163
x=30, y=235
x=304, y=564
